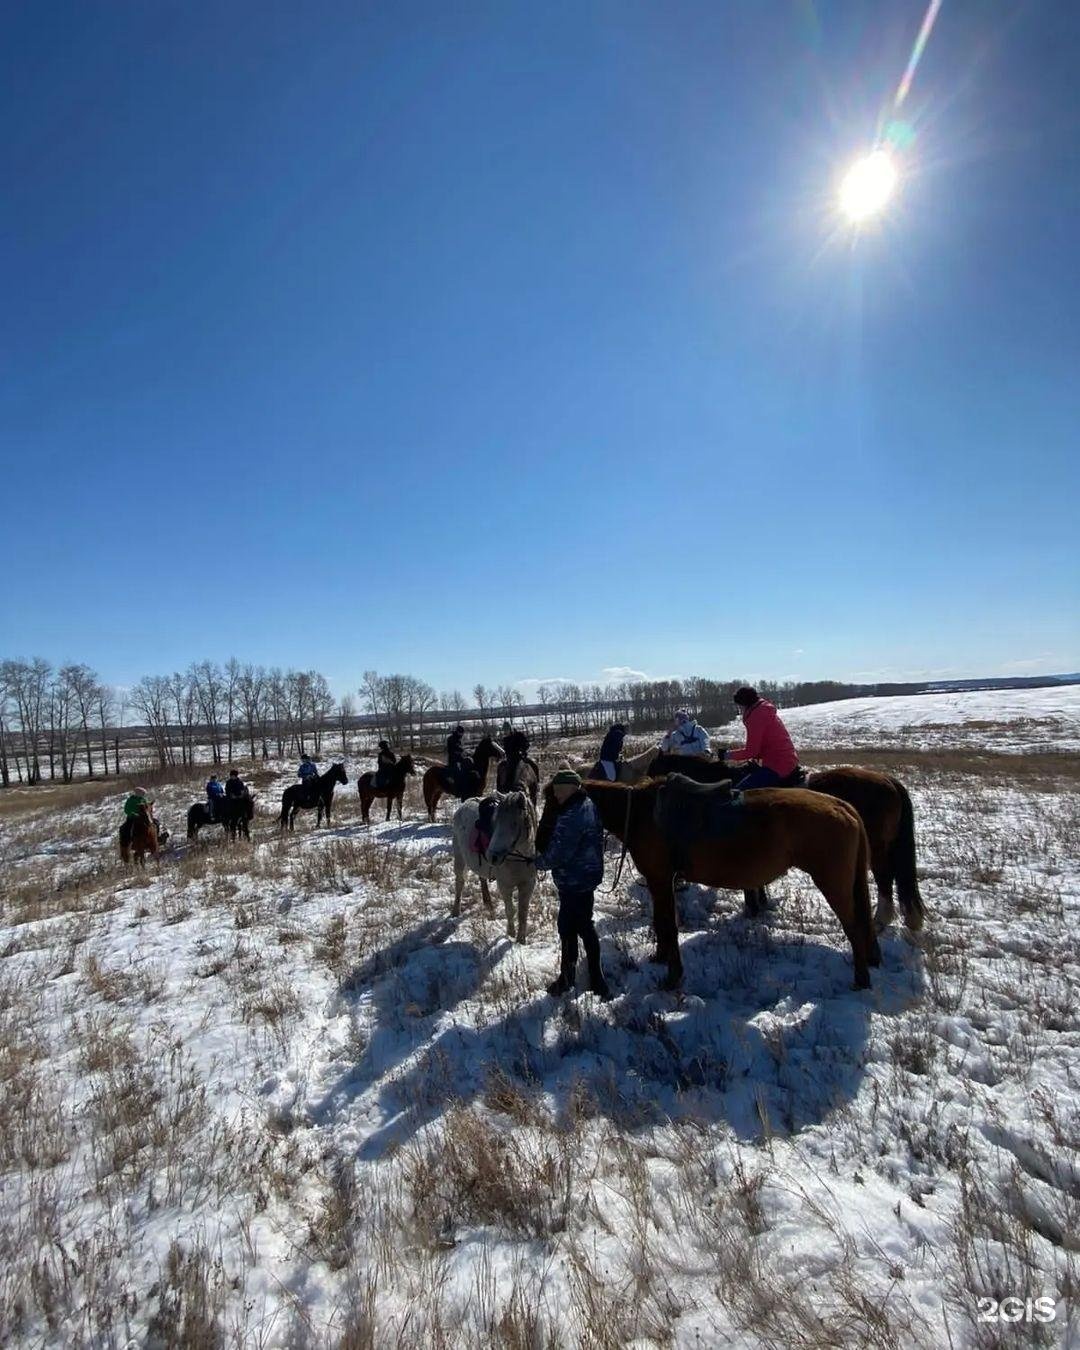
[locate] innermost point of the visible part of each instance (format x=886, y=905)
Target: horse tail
x=283, y=819
x=861, y=891
x=902, y=862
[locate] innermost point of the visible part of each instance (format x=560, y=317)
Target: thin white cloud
x=622, y=674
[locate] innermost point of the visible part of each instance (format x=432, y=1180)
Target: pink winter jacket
x=767, y=740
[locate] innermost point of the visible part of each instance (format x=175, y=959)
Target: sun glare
x=867, y=186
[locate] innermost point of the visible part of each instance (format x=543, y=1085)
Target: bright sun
x=867, y=186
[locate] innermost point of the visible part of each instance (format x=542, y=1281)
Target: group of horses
x=679, y=818
x=676, y=816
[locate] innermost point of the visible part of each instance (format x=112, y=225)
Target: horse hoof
x=655, y=959
x=861, y=982
x=670, y=983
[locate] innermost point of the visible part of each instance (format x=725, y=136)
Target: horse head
x=489, y=748
x=406, y=765
x=338, y=774
x=514, y=830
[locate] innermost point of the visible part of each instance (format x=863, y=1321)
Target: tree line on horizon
x=59, y=722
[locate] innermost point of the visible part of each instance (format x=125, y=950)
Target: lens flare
x=867, y=186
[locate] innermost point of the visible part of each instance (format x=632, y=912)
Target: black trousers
x=576, y=921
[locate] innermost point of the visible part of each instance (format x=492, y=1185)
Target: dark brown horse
x=393, y=790
x=472, y=779
x=776, y=829
x=882, y=802
x=300, y=797
x=519, y=774
x=140, y=840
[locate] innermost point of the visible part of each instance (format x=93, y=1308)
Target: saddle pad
x=687, y=811
x=479, y=842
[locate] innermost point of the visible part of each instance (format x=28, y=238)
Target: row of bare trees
x=52, y=720
x=215, y=713
x=57, y=722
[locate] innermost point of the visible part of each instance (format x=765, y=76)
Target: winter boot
x=567, y=968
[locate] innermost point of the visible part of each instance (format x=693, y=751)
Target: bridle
x=511, y=852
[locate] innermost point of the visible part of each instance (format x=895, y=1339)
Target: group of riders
x=768, y=755
x=572, y=845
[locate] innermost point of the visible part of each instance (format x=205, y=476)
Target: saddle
x=796, y=778
x=480, y=836
x=687, y=811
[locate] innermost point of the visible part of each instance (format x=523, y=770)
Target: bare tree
x=346, y=711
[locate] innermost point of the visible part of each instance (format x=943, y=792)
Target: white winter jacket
x=689, y=739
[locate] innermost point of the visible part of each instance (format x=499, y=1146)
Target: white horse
x=509, y=860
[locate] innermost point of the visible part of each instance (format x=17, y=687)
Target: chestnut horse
x=473, y=779
x=776, y=829
x=885, y=807
x=393, y=790
x=142, y=839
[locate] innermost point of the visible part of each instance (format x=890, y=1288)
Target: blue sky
x=500, y=341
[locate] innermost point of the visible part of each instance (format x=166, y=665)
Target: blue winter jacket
x=215, y=789
x=575, y=855
x=308, y=770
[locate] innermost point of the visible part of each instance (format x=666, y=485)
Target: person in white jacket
x=685, y=737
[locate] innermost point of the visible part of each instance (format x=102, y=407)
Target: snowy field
x=1011, y=721
x=273, y=1095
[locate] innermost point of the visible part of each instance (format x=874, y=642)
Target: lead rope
x=625, y=842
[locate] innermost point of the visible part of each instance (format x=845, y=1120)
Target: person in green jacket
x=138, y=799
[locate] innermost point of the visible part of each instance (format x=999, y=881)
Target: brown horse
x=393, y=791
x=776, y=829
x=885, y=807
x=884, y=804
x=141, y=840
x=473, y=779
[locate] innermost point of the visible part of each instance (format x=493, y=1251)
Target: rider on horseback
x=768, y=744
x=456, y=763
x=235, y=787
x=611, y=751
x=516, y=745
x=138, y=801
x=215, y=793
x=308, y=773
x=685, y=737
x=383, y=764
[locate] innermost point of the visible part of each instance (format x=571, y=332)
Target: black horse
x=301, y=797
x=234, y=813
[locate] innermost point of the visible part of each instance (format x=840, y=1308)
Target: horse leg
x=401, y=798
x=389, y=806
x=666, y=923
x=756, y=902
x=459, y=882
x=506, y=891
x=842, y=881
x=485, y=895
x=881, y=867
x=525, y=890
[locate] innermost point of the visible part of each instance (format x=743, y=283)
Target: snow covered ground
x=1001, y=720
x=273, y=1095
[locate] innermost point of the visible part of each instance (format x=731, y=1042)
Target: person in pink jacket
x=767, y=743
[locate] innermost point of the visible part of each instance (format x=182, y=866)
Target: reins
x=625, y=842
